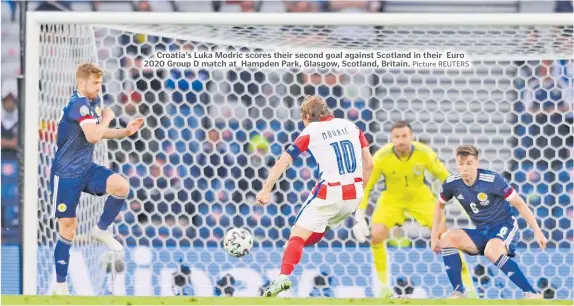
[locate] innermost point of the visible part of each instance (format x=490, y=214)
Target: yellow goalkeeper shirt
x=404, y=178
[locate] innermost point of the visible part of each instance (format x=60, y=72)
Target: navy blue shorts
x=66, y=192
x=505, y=231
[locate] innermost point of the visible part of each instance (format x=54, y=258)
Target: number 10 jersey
x=336, y=145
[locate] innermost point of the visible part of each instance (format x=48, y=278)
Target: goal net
x=212, y=134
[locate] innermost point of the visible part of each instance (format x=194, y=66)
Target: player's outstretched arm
x=280, y=166
x=131, y=129
x=95, y=132
x=517, y=201
x=436, y=225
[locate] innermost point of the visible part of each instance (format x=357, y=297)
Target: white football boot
x=458, y=295
x=106, y=238
x=61, y=289
x=281, y=284
x=533, y=296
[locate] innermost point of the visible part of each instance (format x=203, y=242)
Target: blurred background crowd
x=210, y=136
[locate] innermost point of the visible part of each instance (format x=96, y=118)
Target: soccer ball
x=238, y=242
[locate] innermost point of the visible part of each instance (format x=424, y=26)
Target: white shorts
x=319, y=214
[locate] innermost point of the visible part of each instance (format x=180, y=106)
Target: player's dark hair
x=401, y=124
x=315, y=107
x=466, y=151
x=85, y=70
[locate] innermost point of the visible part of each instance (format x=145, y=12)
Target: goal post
x=497, y=42
x=31, y=175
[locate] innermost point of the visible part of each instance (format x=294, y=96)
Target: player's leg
x=387, y=214
x=118, y=188
x=65, y=197
x=66, y=232
x=346, y=208
x=315, y=237
x=294, y=248
x=291, y=257
x=309, y=220
x=499, y=251
x=338, y=214
x=423, y=212
x=468, y=240
x=104, y=181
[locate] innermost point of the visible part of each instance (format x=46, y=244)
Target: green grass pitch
x=107, y=300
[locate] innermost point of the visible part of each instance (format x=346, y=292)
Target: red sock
x=314, y=238
x=292, y=255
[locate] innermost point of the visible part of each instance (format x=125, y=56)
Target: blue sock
x=511, y=269
x=111, y=210
x=62, y=258
x=453, y=265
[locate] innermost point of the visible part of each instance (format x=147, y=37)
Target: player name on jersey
x=333, y=133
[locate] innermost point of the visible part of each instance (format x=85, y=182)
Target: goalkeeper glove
x=361, y=228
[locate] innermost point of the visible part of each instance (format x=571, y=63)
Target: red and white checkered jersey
x=336, y=145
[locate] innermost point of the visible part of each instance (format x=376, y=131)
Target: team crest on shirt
x=418, y=169
x=483, y=198
x=98, y=111
x=84, y=110
x=62, y=207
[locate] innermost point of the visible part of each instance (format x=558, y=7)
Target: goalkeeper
x=402, y=163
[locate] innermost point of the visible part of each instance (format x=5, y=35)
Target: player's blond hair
x=85, y=70
x=466, y=151
x=315, y=107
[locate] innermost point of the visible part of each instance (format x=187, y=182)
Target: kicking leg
x=315, y=238
x=497, y=253
x=451, y=242
x=311, y=219
x=333, y=222
x=291, y=257
x=294, y=250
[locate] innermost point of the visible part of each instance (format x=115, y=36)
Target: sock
x=466, y=278
x=453, y=266
x=111, y=210
x=292, y=255
x=314, y=238
x=380, y=258
x=62, y=258
x=511, y=269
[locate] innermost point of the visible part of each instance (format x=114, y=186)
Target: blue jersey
x=485, y=201
x=74, y=155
